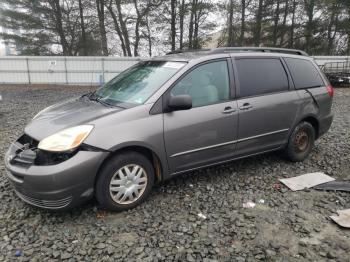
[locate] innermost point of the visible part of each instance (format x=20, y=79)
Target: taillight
x=330, y=90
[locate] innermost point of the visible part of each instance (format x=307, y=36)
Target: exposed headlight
x=66, y=139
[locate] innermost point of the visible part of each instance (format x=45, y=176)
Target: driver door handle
x=229, y=110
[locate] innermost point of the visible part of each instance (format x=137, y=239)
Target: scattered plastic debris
x=334, y=186
x=249, y=204
x=18, y=253
x=191, y=185
x=343, y=218
x=201, y=215
x=261, y=201
x=306, y=181
x=75, y=241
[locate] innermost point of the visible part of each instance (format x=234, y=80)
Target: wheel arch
x=142, y=149
x=314, y=122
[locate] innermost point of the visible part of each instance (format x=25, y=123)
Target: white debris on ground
x=249, y=204
x=306, y=181
x=201, y=215
x=343, y=218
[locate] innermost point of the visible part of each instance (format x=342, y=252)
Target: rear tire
x=300, y=143
x=124, y=181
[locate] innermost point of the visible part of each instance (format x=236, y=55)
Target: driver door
x=206, y=133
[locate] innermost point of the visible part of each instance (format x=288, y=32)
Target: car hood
x=71, y=113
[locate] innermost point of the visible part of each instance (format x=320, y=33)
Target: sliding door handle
x=229, y=110
x=245, y=106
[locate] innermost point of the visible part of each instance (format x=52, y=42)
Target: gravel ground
x=288, y=226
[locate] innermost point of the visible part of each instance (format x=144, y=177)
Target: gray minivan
x=166, y=116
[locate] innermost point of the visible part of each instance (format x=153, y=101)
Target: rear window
x=304, y=73
x=260, y=76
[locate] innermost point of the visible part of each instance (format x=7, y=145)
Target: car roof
x=189, y=55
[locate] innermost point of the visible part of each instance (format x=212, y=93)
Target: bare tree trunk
x=173, y=24
x=196, y=28
x=291, y=37
x=123, y=27
x=82, y=25
x=275, y=23
x=190, y=28
x=117, y=27
x=283, y=33
x=137, y=29
x=149, y=38
x=332, y=28
x=55, y=5
x=230, y=39
x=101, y=21
x=348, y=33
x=243, y=8
x=309, y=8
x=257, y=33
x=182, y=16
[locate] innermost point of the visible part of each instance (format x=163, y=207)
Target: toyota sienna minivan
x=169, y=115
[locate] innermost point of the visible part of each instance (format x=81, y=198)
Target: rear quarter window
x=259, y=76
x=304, y=73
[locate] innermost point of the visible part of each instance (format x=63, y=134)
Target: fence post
x=28, y=70
x=65, y=69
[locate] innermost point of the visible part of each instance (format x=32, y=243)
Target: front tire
x=300, y=142
x=124, y=181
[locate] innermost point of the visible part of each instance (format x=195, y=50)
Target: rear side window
x=260, y=76
x=304, y=73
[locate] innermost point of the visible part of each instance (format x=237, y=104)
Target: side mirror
x=180, y=102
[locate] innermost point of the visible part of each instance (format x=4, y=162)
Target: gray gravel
x=287, y=226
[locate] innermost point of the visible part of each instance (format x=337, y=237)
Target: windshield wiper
x=98, y=99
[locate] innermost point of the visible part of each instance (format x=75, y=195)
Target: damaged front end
x=27, y=153
x=52, y=180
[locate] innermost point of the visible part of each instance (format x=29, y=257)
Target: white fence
x=77, y=70
x=61, y=70
x=321, y=60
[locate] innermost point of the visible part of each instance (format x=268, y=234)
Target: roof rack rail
x=258, y=49
x=180, y=51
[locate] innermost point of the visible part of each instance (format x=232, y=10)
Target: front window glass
x=207, y=84
x=138, y=83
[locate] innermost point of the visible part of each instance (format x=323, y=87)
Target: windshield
x=138, y=83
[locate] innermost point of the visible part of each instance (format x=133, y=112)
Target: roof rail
x=179, y=51
x=258, y=49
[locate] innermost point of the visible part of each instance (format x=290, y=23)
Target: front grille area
x=27, y=140
x=27, y=154
x=49, y=204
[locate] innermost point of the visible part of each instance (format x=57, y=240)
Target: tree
x=258, y=21
x=148, y=27
x=173, y=24
x=40, y=26
x=83, y=42
x=230, y=39
x=275, y=22
x=100, y=7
